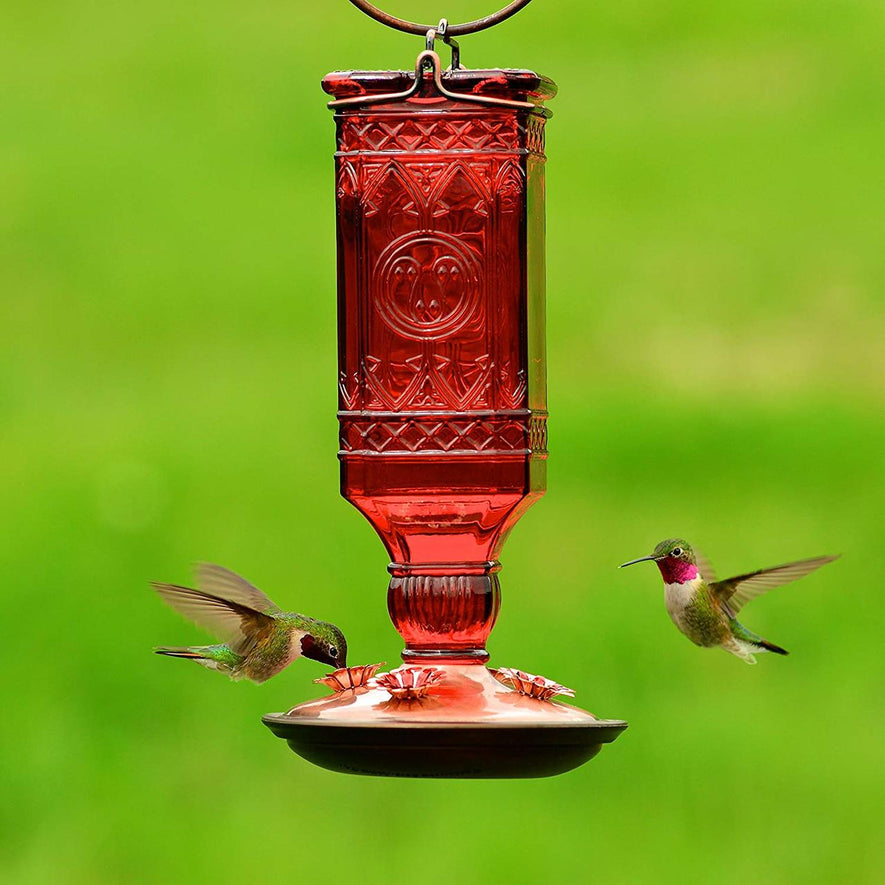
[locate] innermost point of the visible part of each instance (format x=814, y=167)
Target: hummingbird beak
x=641, y=559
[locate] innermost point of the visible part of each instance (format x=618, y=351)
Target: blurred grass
x=716, y=328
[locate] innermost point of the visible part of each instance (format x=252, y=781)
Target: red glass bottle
x=442, y=384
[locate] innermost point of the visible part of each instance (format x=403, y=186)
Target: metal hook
x=442, y=30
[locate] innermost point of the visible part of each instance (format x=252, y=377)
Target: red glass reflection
x=442, y=379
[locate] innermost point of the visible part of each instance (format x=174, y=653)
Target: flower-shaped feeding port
x=528, y=684
x=408, y=683
x=348, y=678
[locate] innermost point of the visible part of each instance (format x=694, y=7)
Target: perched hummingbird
x=705, y=609
x=259, y=639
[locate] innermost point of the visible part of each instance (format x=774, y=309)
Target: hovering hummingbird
x=705, y=609
x=259, y=639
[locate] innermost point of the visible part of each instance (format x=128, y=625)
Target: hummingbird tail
x=770, y=646
x=213, y=657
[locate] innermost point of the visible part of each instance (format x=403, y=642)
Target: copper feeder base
x=467, y=726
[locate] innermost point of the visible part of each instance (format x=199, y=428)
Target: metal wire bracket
x=429, y=60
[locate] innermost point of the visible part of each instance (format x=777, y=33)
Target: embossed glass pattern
x=442, y=385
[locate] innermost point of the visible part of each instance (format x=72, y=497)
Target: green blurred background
x=716, y=210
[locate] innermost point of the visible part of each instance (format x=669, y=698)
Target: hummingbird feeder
x=442, y=409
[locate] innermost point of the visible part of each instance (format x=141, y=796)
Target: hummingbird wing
x=240, y=626
x=707, y=571
x=215, y=580
x=737, y=592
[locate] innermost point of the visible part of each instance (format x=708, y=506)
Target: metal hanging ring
x=401, y=24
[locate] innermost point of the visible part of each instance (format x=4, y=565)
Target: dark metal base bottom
x=445, y=751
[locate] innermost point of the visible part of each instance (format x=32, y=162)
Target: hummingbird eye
x=333, y=651
x=677, y=551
